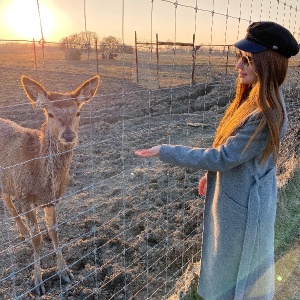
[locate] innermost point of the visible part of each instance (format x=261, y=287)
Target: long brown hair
x=263, y=96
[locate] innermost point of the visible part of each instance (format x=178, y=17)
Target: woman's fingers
x=142, y=153
x=151, y=152
x=202, y=186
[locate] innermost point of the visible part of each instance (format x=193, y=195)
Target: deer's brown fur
x=35, y=164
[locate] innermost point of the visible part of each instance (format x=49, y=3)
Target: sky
x=212, y=21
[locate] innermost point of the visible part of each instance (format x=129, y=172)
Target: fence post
x=194, y=60
x=227, y=54
x=34, y=53
x=136, y=59
x=97, y=58
x=157, y=59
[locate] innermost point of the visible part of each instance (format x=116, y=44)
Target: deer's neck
x=57, y=163
x=60, y=154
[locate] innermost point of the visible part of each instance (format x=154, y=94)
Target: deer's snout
x=69, y=136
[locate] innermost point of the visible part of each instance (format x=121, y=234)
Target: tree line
x=90, y=40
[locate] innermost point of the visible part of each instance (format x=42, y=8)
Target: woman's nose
x=239, y=64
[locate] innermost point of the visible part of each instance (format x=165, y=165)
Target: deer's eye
x=50, y=115
x=78, y=114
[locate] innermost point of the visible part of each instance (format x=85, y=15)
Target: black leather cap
x=268, y=35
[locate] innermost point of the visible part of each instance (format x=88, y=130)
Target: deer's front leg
x=14, y=213
x=50, y=219
x=36, y=243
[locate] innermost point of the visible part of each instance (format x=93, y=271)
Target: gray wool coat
x=238, y=239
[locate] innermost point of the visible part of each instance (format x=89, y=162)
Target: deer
x=35, y=165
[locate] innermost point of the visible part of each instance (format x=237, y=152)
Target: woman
x=237, y=249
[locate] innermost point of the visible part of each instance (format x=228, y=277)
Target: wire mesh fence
x=128, y=229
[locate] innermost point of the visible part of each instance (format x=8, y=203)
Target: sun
x=22, y=19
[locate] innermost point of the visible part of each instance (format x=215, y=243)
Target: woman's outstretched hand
x=151, y=152
x=202, y=186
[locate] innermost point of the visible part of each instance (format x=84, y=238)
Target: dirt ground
x=128, y=227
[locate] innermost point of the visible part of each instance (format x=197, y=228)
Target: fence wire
x=130, y=228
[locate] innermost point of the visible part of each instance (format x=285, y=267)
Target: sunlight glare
x=22, y=19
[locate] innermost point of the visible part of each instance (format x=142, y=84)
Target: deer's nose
x=69, y=136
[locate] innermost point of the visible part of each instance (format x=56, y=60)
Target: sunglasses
x=246, y=60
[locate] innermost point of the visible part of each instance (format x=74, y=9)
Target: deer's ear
x=85, y=92
x=35, y=92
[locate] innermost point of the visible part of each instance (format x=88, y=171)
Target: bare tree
x=110, y=43
x=82, y=40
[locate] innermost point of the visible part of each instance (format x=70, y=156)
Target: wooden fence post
x=97, y=58
x=34, y=53
x=157, y=59
x=227, y=57
x=136, y=59
x=194, y=60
